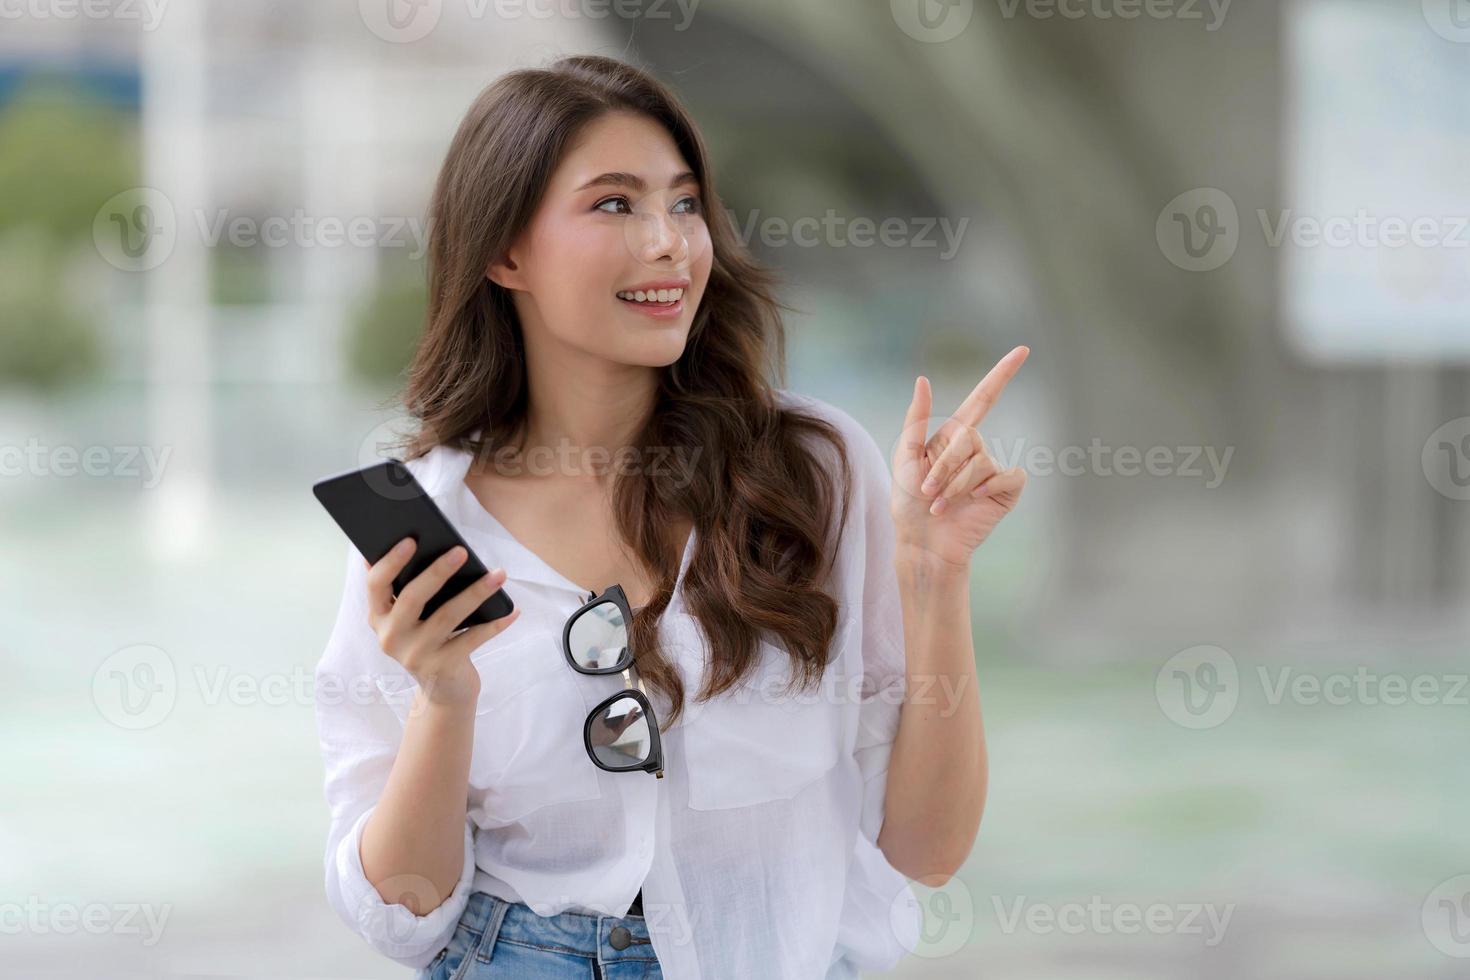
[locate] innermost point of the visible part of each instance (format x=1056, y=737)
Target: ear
x=505, y=272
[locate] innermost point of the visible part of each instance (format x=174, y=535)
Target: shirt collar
x=443, y=478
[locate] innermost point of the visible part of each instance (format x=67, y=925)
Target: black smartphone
x=381, y=505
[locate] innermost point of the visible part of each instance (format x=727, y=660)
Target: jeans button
x=620, y=938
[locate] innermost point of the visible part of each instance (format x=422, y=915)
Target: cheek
x=595, y=251
x=706, y=258
x=582, y=266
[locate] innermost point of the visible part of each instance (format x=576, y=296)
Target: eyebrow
x=620, y=179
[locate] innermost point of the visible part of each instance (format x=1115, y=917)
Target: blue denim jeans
x=497, y=939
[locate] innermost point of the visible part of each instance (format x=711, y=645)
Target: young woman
x=736, y=706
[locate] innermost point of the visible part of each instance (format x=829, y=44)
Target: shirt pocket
x=757, y=742
x=528, y=750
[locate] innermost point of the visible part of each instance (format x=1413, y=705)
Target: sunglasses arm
x=628, y=682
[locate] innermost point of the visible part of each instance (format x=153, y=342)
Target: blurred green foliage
x=239, y=276
x=62, y=154
x=45, y=341
x=387, y=323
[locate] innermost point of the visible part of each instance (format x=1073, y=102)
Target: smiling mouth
x=653, y=304
x=656, y=298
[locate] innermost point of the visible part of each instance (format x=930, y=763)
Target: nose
x=661, y=238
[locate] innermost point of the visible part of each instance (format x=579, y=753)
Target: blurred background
x=1221, y=642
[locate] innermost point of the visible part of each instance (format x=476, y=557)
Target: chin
x=655, y=345
x=647, y=352
x=662, y=354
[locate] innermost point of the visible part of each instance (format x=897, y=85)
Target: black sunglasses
x=620, y=733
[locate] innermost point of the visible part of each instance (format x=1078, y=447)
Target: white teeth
x=652, y=296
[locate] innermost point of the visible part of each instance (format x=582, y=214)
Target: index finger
x=980, y=401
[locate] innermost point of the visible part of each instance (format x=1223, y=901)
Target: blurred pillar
x=176, y=293
x=340, y=175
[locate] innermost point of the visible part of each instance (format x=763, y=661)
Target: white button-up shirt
x=756, y=852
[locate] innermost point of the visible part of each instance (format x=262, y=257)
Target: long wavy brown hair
x=759, y=496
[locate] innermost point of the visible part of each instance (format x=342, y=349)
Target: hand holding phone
x=433, y=651
x=378, y=507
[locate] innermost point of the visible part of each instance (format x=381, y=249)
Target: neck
x=580, y=401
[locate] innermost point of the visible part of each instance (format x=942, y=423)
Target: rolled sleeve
x=393, y=929
x=360, y=736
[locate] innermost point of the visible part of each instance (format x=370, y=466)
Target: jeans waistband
x=608, y=937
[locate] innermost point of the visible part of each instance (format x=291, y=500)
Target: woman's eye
x=611, y=200
x=624, y=208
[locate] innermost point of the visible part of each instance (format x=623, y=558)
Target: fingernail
x=457, y=555
x=929, y=485
x=981, y=490
x=938, y=507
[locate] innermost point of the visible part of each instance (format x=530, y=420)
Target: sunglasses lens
x=619, y=734
x=599, y=636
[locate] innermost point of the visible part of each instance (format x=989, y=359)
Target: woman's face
x=621, y=213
